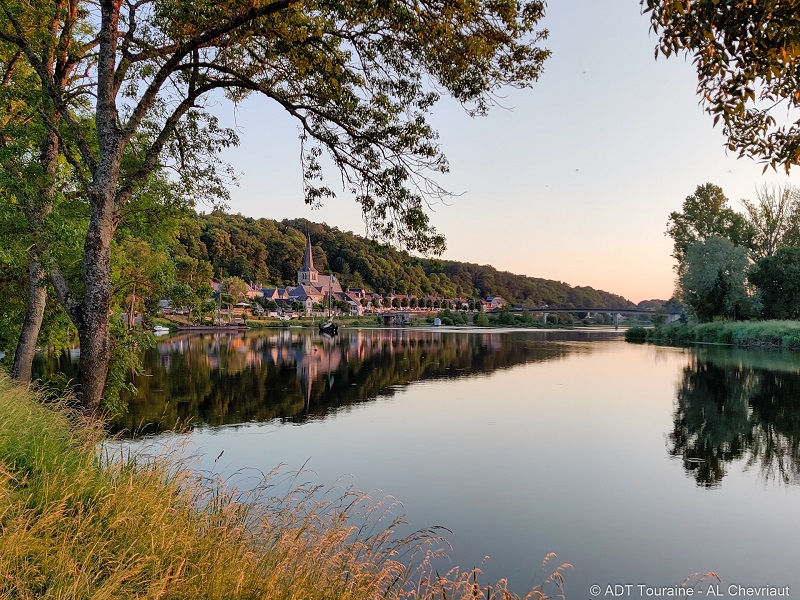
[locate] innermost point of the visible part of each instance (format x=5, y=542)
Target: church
x=312, y=288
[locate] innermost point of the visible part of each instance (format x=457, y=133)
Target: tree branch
x=205, y=38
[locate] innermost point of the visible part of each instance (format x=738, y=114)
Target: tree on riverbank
x=713, y=282
x=706, y=214
x=774, y=218
x=778, y=279
x=125, y=88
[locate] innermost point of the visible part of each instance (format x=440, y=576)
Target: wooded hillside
x=270, y=252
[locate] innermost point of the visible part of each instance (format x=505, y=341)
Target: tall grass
x=73, y=526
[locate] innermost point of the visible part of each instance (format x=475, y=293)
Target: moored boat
x=329, y=327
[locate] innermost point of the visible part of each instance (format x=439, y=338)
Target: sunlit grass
x=74, y=526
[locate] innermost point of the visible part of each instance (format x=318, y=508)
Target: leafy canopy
x=778, y=280
x=747, y=55
x=359, y=76
x=713, y=283
x=705, y=214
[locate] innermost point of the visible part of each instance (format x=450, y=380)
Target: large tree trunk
x=93, y=318
x=95, y=307
x=93, y=323
x=34, y=314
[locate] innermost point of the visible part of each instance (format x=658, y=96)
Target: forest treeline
x=269, y=252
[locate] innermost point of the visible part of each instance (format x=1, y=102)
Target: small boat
x=160, y=329
x=329, y=327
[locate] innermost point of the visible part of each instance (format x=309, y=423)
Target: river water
x=638, y=465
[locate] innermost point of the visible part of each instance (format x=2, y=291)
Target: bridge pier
x=616, y=320
x=544, y=318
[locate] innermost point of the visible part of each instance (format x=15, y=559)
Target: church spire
x=308, y=258
x=307, y=274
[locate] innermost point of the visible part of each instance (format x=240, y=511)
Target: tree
x=235, y=286
x=713, y=281
x=705, y=214
x=774, y=218
x=777, y=277
x=357, y=77
x=746, y=55
x=29, y=177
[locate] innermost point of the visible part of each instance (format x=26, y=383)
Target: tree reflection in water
x=296, y=375
x=738, y=406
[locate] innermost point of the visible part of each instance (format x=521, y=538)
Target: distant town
x=317, y=295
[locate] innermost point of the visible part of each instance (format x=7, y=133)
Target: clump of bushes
x=636, y=334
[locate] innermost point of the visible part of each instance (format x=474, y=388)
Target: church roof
x=308, y=258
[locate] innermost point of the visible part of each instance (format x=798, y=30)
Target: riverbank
x=742, y=334
x=76, y=527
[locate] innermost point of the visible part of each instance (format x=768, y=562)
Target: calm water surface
x=637, y=464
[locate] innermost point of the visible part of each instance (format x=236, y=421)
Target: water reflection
x=294, y=376
x=737, y=406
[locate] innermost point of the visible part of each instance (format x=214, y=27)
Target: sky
x=571, y=180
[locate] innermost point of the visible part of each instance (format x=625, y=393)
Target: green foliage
x=636, y=334
x=746, y=56
x=453, y=318
x=706, y=214
x=235, y=287
x=277, y=248
x=747, y=334
x=481, y=319
x=777, y=278
x=713, y=281
x=774, y=218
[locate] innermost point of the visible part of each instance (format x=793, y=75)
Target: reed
x=76, y=525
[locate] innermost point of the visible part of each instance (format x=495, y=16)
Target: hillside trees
x=354, y=75
x=379, y=267
x=746, y=55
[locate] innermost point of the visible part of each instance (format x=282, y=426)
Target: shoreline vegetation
x=447, y=318
x=78, y=523
x=771, y=335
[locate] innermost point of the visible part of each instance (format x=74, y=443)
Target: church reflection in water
x=297, y=375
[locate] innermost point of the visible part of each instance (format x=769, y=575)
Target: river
x=638, y=465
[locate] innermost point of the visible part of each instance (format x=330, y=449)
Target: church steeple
x=308, y=257
x=308, y=275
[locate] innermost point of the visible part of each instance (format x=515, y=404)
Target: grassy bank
x=743, y=334
x=74, y=527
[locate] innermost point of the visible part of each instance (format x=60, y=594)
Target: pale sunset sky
x=572, y=180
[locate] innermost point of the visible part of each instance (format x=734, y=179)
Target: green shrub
x=636, y=335
x=481, y=320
